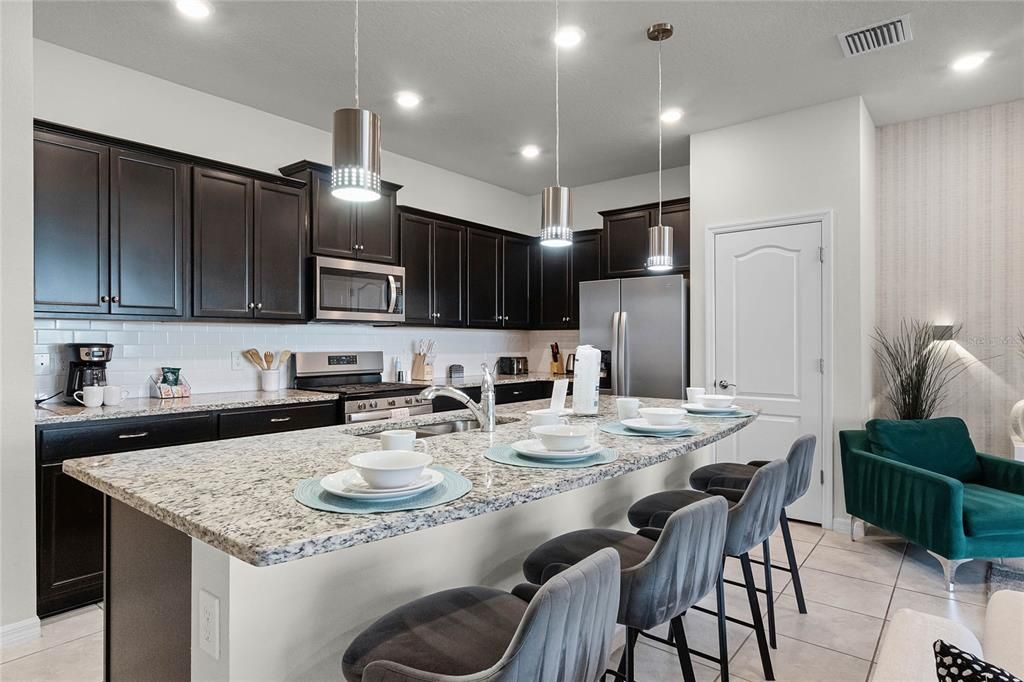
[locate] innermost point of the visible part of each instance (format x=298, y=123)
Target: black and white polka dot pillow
x=954, y=665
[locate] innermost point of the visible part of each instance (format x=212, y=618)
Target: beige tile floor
x=852, y=589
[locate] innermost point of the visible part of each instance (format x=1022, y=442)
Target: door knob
x=104, y=299
x=116, y=299
x=723, y=384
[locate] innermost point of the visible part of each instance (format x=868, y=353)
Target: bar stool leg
x=755, y=616
x=723, y=637
x=682, y=650
x=626, y=664
x=766, y=549
x=794, y=568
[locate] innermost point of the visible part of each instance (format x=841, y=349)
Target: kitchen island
x=203, y=577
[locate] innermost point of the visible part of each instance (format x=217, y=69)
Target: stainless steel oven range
x=357, y=377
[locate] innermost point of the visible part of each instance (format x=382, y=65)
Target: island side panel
x=147, y=609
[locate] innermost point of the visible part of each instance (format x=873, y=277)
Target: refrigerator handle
x=624, y=355
x=615, y=353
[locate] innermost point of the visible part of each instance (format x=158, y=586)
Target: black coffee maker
x=87, y=366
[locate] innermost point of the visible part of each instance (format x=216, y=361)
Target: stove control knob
x=361, y=406
x=409, y=400
x=391, y=403
x=373, y=403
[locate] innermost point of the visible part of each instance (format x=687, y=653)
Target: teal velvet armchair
x=925, y=481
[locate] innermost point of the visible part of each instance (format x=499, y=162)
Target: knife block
x=422, y=370
x=557, y=367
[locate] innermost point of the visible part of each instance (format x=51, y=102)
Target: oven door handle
x=392, y=293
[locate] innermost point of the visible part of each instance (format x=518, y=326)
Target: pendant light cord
x=558, y=181
x=356, y=46
x=659, y=131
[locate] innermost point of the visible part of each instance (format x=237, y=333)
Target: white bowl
x=390, y=468
x=563, y=437
x=662, y=416
x=716, y=400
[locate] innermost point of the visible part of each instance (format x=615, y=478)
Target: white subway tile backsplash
x=203, y=350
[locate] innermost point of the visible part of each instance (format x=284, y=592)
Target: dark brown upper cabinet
x=586, y=266
x=346, y=229
x=433, y=253
x=515, y=292
x=624, y=241
x=484, y=279
x=554, y=267
x=247, y=265
x=110, y=229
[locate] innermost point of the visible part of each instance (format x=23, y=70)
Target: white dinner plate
x=535, y=449
x=643, y=426
x=697, y=408
x=350, y=484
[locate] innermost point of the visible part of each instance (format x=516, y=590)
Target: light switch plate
x=42, y=363
x=209, y=624
x=236, y=360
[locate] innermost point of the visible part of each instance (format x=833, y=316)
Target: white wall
x=82, y=91
x=799, y=162
x=17, y=443
x=632, y=190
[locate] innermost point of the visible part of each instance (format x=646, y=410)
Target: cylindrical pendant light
x=355, y=174
x=556, y=201
x=659, y=237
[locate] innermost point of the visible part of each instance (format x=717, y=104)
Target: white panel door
x=768, y=342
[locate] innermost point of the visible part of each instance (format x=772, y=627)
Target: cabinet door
x=333, y=232
x=69, y=555
x=279, y=251
x=483, y=278
x=449, y=274
x=586, y=263
x=679, y=218
x=222, y=244
x=148, y=204
x=554, y=287
x=71, y=240
x=378, y=232
x=417, y=258
x=624, y=244
x=516, y=282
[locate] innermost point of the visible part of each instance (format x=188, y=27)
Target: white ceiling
x=486, y=69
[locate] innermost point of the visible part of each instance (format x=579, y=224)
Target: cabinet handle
x=141, y=434
x=116, y=299
x=278, y=420
x=259, y=306
x=251, y=306
x=104, y=299
x=517, y=392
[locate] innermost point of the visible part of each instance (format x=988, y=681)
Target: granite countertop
x=476, y=379
x=236, y=495
x=56, y=412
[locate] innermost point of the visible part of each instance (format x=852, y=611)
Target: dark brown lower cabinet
x=69, y=535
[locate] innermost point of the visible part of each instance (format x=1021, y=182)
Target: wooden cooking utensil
x=268, y=359
x=283, y=358
x=253, y=356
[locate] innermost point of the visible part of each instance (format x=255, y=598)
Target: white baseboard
x=20, y=632
x=841, y=524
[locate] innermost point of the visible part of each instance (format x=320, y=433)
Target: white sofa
x=907, y=655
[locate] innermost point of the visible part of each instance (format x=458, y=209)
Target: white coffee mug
x=113, y=395
x=629, y=408
x=546, y=418
x=401, y=439
x=90, y=396
x=694, y=394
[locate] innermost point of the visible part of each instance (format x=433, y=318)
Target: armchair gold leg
x=949, y=567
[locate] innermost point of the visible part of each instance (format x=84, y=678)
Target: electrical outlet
x=236, y=360
x=209, y=624
x=42, y=363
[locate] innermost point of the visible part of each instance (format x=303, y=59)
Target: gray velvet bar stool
x=562, y=633
x=664, y=572
x=733, y=475
x=753, y=517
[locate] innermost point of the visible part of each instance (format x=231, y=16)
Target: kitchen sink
x=442, y=428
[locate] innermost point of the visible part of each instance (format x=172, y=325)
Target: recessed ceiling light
x=969, y=62
x=672, y=115
x=569, y=36
x=194, y=9
x=530, y=151
x=407, y=99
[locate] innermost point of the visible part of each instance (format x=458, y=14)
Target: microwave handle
x=392, y=293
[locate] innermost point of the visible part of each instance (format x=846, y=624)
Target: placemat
x=310, y=493
x=618, y=429
x=504, y=454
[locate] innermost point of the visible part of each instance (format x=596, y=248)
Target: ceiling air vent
x=876, y=36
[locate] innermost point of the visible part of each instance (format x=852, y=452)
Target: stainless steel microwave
x=357, y=291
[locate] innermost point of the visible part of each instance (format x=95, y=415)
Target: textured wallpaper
x=951, y=250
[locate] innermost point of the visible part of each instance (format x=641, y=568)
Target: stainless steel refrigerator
x=639, y=325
